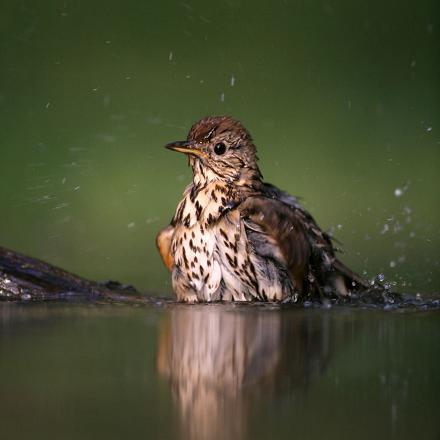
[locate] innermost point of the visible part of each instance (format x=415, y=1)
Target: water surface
x=342, y=99
x=207, y=372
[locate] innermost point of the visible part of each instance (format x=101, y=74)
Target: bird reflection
x=221, y=362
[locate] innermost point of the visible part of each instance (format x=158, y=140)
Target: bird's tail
x=346, y=280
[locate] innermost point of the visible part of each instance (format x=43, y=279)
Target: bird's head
x=220, y=148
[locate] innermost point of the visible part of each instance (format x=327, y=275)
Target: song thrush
x=235, y=237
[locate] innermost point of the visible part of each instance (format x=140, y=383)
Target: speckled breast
x=213, y=257
x=196, y=269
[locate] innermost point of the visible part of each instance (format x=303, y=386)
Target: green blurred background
x=342, y=99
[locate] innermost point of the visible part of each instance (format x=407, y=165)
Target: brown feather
x=286, y=232
x=163, y=243
x=235, y=237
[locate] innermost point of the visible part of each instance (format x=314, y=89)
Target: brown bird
x=236, y=238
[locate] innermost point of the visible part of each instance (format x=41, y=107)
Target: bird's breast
x=205, y=204
x=195, y=262
x=213, y=260
x=212, y=254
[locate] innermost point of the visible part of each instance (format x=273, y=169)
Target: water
x=342, y=100
x=207, y=372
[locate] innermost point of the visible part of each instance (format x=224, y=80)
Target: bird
x=235, y=237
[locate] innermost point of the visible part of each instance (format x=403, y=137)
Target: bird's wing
x=321, y=238
x=163, y=242
x=282, y=226
x=275, y=231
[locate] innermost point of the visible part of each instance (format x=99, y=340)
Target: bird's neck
x=203, y=175
x=210, y=196
x=242, y=180
x=205, y=203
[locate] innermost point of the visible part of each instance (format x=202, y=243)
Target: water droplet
x=385, y=229
x=428, y=129
x=222, y=97
x=326, y=304
x=398, y=192
x=232, y=81
x=393, y=263
x=170, y=56
x=380, y=277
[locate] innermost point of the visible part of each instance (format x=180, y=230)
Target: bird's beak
x=184, y=147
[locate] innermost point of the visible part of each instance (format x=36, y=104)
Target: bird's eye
x=220, y=148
